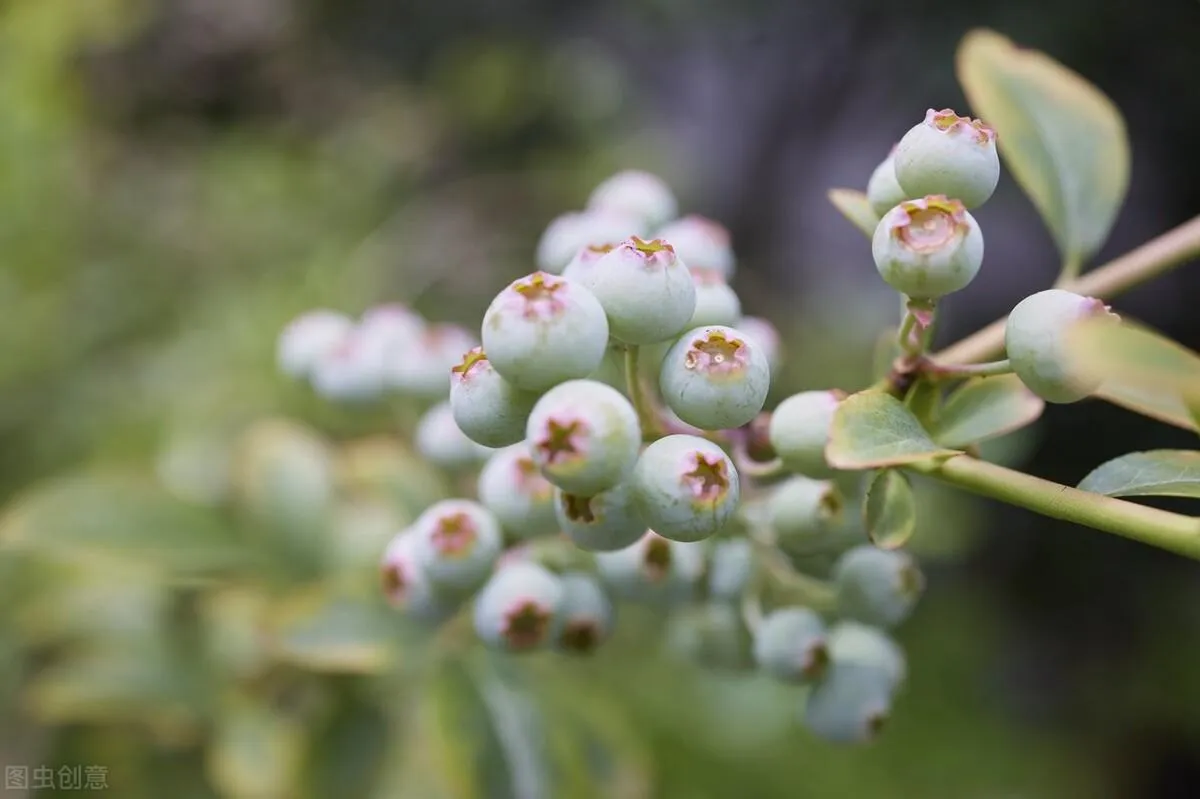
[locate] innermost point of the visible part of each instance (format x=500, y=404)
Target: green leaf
x=872, y=430
x=1157, y=473
x=984, y=408
x=854, y=206
x=924, y=400
x=1166, y=408
x=1061, y=138
x=334, y=631
x=890, y=510
x=255, y=752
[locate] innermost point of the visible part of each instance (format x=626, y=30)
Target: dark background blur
x=180, y=177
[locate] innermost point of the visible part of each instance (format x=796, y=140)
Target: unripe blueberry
x=877, y=586
x=440, y=440
x=712, y=634
x=394, y=323
x=543, y=330
x=701, y=243
x=644, y=289
x=715, y=378
x=514, y=490
x=765, y=335
x=789, y=644
x=685, y=488
x=489, y=409
x=928, y=247
x=636, y=193
x=405, y=584
x=518, y=609
x=1035, y=337
x=458, y=542
x=950, y=155
x=308, y=338
x=799, y=431
x=585, y=259
x=852, y=642
x=883, y=190
x=805, y=515
x=586, y=614
x=652, y=568
x=716, y=301
x=602, y=523
x=730, y=565
x=352, y=371
x=849, y=705
x=584, y=436
x=571, y=232
x=422, y=368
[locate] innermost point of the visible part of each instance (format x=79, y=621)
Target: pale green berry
x=586, y=614
x=715, y=378
x=653, y=569
x=927, y=248
x=883, y=190
x=849, y=705
x=766, y=336
x=685, y=488
x=308, y=338
x=949, y=155
x=716, y=301
x=789, y=644
x=806, y=515
x=602, y=523
x=458, y=542
x=730, y=565
x=422, y=368
x=701, y=243
x=440, y=440
x=518, y=609
x=489, y=409
x=514, y=490
x=1035, y=337
x=543, y=330
x=585, y=259
x=584, y=436
x=396, y=327
x=350, y=372
x=876, y=586
x=573, y=231
x=635, y=193
x=406, y=586
x=852, y=642
x=645, y=290
x=799, y=431
x=712, y=634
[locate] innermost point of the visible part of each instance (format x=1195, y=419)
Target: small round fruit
x=715, y=378
x=653, y=568
x=405, y=585
x=394, y=325
x=571, y=232
x=950, y=155
x=351, y=372
x=489, y=409
x=440, y=440
x=876, y=586
x=586, y=614
x=805, y=515
x=849, y=705
x=685, y=488
x=584, y=436
x=730, y=565
x=543, y=330
x=638, y=194
x=766, y=336
x=645, y=290
x=799, y=431
x=852, y=642
x=883, y=190
x=602, y=523
x=790, y=645
x=1035, y=338
x=308, y=338
x=422, y=369
x=514, y=490
x=716, y=301
x=585, y=259
x=518, y=609
x=458, y=542
x=701, y=243
x=927, y=248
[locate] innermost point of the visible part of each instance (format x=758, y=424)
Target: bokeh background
x=179, y=178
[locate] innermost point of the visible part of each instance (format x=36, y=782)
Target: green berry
x=458, y=542
x=1035, y=337
x=685, y=488
x=927, y=248
x=806, y=515
x=422, y=368
x=877, y=586
x=394, y=327
x=440, y=440
x=949, y=155
x=883, y=190
x=350, y=372
x=586, y=259
x=854, y=643
x=601, y=523
x=489, y=409
x=849, y=705
x=308, y=338
x=799, y=431
x=543, y=330
x=653, y=568
x=638, y=194
x=730, y=565
x=514, y=490
x=573, y=231
x=518, y=609
x=406, y=587
x=586, y=614
x=716, y=301
x=701, y=243
x=715, y=378
x=789, y=644
x=712, y=634
x=766, y=336
x=645, y=290
x=584, y=436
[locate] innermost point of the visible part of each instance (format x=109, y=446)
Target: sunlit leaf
x=335, y=631
x=872, y=429
x=1161, y=472
x=984, y=408
x=854, y=206
x=890, y=510
x=1061, y=138
x=255, y=751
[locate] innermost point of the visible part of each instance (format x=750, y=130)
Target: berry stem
x=1170, y=531
x=788, y=585
x=637, y=393
x=937, y=372
x=1071, y=267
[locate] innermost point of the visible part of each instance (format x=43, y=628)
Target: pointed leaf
x=1061, y=138
x=331, y=631
x=1166, y=408
x=890, y=510
x=1156, y=473
x=872, y=430
x=854, y=206
x=984, y=408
